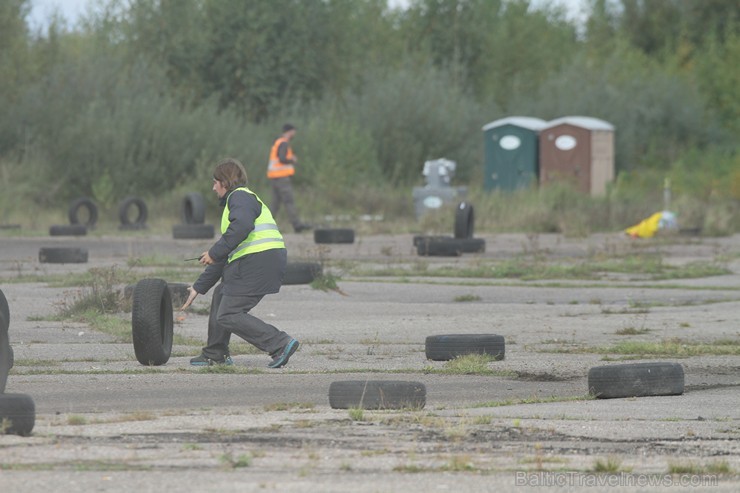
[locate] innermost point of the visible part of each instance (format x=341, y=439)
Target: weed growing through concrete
x=242, y=460
x=676, y=347
x=632, y=331
x=356, y=414
x=534, y=400
x=76, y=420
x=610, y=465
x=327, y=282
x=717, y=467
x=459, y=463
x=289, y=406
x=470, y=364
x=466, y=298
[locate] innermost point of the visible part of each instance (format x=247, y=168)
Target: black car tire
x=193, y=208
x=152, y=322
x=464, y=220
x=68, y=230
x=636, y=380
x=17, y=413
x=63, y=255
x=377, y=394
x=450, y=346
x=342, y=235
x=301, y=272
x=92, y=212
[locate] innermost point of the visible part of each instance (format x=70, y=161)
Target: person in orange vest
x=279, y=170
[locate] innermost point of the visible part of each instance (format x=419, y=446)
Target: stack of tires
x=193, y=216
x=453, y=246
x=82, y=214
x=17, y=411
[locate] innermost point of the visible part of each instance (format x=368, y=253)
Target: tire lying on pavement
x=68, y=230
x=450, y=346
x=464, y=220
x=377, y=394
x=342, y=235
x=18, y=413
x=138, y=221
x=301, y=272
x=151, y=322
x=193, y=208
x=192, y=231
x=62, y=255
x=636, y=380
x=445, y=246
x=92, y=212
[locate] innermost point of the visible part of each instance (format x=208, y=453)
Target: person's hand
x=206, y=259
x=192, y=294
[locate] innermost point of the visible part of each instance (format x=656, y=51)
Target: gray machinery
x=438, y=191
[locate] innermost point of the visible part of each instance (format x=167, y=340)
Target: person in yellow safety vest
x=250, y=259
x=279, y=170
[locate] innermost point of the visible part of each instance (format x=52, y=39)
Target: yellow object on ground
x=646, y=228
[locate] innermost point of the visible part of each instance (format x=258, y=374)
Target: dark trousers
x=282, y=193
x=230, y=315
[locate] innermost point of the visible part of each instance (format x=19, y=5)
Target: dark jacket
x=254, y=274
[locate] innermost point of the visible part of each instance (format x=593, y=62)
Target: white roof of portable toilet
x=527, y=122
x=586, y=122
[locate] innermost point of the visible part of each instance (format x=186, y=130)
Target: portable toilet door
x=511, y=152
x=580, y=150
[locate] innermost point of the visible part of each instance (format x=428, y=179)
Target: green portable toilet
x=511, y=156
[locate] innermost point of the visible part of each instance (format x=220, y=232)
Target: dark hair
x=230, y=173
x=288, y=127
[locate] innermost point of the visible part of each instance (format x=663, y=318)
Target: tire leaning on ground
x=464, y=220
x=151, y=322
x=636, y=380
x=377, y=394
x=142, y=213
x=17, y=413
x=6, y=352
x=341, y=235
x=193, y=208
x=68, y=230
x=450, y=346
x=92, y=212
x=4, y=308
x=62, y=255
x=192, y=231
x=301, y=272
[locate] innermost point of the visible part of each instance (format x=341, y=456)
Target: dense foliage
x=144, y=95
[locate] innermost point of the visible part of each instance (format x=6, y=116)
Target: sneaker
x=204, y=361
x=283, y=356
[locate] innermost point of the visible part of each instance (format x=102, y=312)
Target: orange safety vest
x=276, y=169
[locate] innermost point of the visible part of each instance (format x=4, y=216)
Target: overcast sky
x=71, y=10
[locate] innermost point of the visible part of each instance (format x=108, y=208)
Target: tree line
x=145, y=92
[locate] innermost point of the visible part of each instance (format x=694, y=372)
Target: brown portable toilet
x=579, y=149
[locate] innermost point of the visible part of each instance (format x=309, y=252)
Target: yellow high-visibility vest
x=264, y=236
